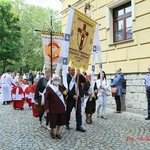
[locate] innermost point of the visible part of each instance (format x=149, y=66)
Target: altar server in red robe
x=31, y=90
x=18, y=96
x=28, y=95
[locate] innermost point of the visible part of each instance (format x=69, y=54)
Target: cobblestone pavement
x=19, y=130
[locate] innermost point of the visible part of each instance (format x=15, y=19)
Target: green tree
x=9, y=35
x=31, y=18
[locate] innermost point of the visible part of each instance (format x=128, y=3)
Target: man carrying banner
x=81, y=34
x=74, y=97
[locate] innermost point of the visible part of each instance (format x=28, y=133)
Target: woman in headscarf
x=55, y=105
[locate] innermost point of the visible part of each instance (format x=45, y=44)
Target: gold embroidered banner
x=81, y=40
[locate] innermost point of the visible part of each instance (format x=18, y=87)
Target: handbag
x=114, y=90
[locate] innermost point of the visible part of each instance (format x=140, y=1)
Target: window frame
x=122, y=17
x=109, y=18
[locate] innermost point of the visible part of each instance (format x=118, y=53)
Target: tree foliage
x=31, y=18
x=9, y=35
x=20, y=45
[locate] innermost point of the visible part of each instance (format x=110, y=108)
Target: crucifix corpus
x=84, y=34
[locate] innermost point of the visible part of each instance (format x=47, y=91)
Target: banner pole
x=51, y=46
x=77, y=90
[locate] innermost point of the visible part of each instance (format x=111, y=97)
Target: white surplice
x=6, y=87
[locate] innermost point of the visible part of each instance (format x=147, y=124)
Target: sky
x=54, y=4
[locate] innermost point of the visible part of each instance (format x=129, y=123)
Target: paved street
x=19, y=131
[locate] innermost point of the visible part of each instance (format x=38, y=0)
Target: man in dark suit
x=147, y=86
x=74, y=97
x=31, y=77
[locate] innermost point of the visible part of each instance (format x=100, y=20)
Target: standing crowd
x=48, y=98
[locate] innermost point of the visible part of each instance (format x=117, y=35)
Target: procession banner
x=96, y=52
x=81, y=40
x=56, y=48
x=65, y=48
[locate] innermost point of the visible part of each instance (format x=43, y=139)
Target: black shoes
x=148, y=118
x=104, y=117
x=88, y=122
x=77, y=129
x=67, y=127
x=6, y=102
x=52, y=135
x=80, y=129
x=58, y=136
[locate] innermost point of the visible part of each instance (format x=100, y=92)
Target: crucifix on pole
x=51, y=34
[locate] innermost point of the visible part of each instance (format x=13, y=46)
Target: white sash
x=42, y=94
x=72, y=82
x=58, y=93
x=85, y=100
x=87, y=97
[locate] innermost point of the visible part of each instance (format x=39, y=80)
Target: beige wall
x=132, y=56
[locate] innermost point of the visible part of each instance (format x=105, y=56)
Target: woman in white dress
x=102, y=96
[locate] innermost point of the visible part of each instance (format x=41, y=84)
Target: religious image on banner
x=56, y=47
x=81, y=40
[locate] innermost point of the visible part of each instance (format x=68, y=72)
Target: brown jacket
x=52, y=102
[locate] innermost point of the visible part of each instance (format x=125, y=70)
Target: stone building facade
x=125, y=43
x=134, y=95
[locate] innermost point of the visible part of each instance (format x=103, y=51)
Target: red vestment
x=35, y=110
x=18, y=97
x=27, y=96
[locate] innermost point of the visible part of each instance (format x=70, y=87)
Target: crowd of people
x=49, y=99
